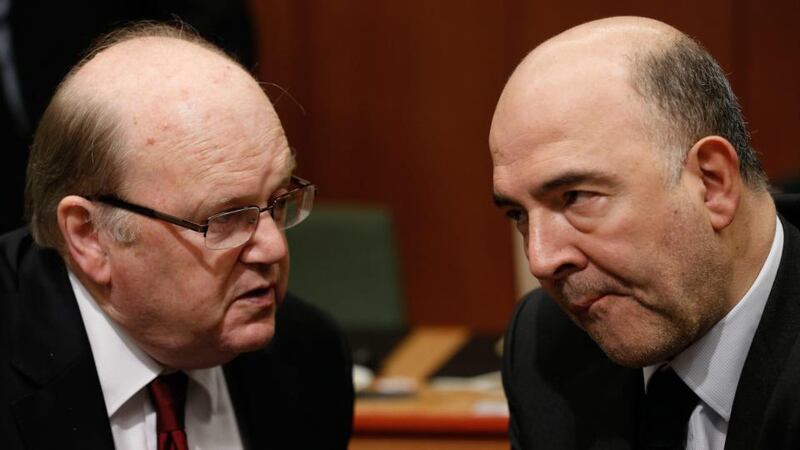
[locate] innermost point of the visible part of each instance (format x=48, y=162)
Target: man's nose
x=268, y=244
x=551, y=247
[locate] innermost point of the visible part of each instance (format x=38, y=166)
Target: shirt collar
x=122, y=367
x=712, y=365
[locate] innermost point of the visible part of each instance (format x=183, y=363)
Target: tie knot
x=667, y=406
x=168, y=394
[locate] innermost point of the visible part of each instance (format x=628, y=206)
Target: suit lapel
x=251, y=384
x=262, y=398
x=60, y=402
x=774, y=339
x=234, y=378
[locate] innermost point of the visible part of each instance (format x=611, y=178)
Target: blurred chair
x=343, y=259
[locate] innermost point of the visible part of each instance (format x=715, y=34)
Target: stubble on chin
x=641, y=337
x=680, y=306
x=637, y=332
x=625, y=327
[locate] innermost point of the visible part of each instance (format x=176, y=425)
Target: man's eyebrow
x=563, y=180
x=503, y=202
x=574, y=177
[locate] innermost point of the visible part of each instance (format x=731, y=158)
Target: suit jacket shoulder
x=563, y=392
x=50, y=395
x=298, y=391
x=766, y=409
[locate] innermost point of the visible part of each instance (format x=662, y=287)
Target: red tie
x=168, y=393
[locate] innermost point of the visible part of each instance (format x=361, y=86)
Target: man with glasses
x=146, y=308
x=670, y=306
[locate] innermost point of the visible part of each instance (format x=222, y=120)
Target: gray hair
x=693, y=99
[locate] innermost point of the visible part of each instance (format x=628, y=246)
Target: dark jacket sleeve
x=508, y=376
x=310, y=339
x=562, y=390
x=298, y=391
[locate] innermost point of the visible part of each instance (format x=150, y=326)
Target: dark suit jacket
x=296, y=393
x=564, y=393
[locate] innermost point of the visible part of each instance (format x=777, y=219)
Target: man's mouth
x=580, y=307
x=260, y=296
x=583, y=305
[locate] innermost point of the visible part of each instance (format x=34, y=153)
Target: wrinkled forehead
x=215, y=145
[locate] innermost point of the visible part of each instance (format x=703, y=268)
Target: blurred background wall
x=397, y=98
x=388, y=104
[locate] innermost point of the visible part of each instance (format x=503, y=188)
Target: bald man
x=141, y=308
x=670, y=302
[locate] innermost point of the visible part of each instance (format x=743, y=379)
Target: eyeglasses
x=233, y=228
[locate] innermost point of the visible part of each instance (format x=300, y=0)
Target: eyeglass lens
x=228, y=230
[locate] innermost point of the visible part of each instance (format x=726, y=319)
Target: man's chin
x=253, y=337
x=632, y=359
x=637, y=353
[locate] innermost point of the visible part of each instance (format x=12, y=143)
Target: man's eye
x=573, y=197
x=517, y=215
x=278, y=193
x=222, y=219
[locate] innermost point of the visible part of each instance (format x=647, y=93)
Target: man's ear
x=82, y=240
x=715, y=162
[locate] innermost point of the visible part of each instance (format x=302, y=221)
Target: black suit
x=564, y=393
x=295, y=393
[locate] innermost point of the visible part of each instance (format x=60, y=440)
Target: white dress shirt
x=125, y=371
x=712, y=365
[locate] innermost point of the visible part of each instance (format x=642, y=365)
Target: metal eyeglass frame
x=298, y=184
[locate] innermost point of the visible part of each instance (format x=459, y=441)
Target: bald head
x=612, y=40
x=642, y=66
x=142, y=96
x=174, y=84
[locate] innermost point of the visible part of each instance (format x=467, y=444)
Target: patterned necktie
x=668, y=404
x=168, y=394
